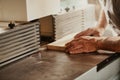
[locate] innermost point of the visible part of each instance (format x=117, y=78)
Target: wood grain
x=59, y=45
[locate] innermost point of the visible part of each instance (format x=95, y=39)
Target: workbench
x=53, y=65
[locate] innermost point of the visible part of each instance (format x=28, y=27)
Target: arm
x=102, y=22
x=83, y=42
x=109, y=43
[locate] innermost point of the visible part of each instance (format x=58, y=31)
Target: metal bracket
x=107, y=61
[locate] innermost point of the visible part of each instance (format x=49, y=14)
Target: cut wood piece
x=60, y=44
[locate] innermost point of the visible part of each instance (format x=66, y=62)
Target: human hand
x=95, y=31
x=82, y=44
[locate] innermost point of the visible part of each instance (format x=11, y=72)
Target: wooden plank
x=59, y=45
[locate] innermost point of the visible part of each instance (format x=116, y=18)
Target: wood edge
x=56, y=48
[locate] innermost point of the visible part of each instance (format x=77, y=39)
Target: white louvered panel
x=74, y=21
x=19, y=42
x=20, y=51
x=15, y=32
x=17, y=39
x=17, y=46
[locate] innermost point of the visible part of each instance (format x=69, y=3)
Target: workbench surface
x=53, y=65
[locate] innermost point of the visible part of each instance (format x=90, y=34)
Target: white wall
x=13, y=10
x=41, y=8
x=26, y=10
x=0, y=11
x=35, y=9
x=52, y=6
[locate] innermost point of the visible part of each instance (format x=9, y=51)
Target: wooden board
x=59, y=45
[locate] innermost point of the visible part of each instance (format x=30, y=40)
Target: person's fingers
x=96, y=34
x=76, y=51
x=92, y=33
x=79, y=49
x=75, y=48
x=67, y=47
x=81, y=44
x=77, y=44
x=73, y=45
x=83, y=33
x=88, y=32
x=68, y=44
x=79, y=34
